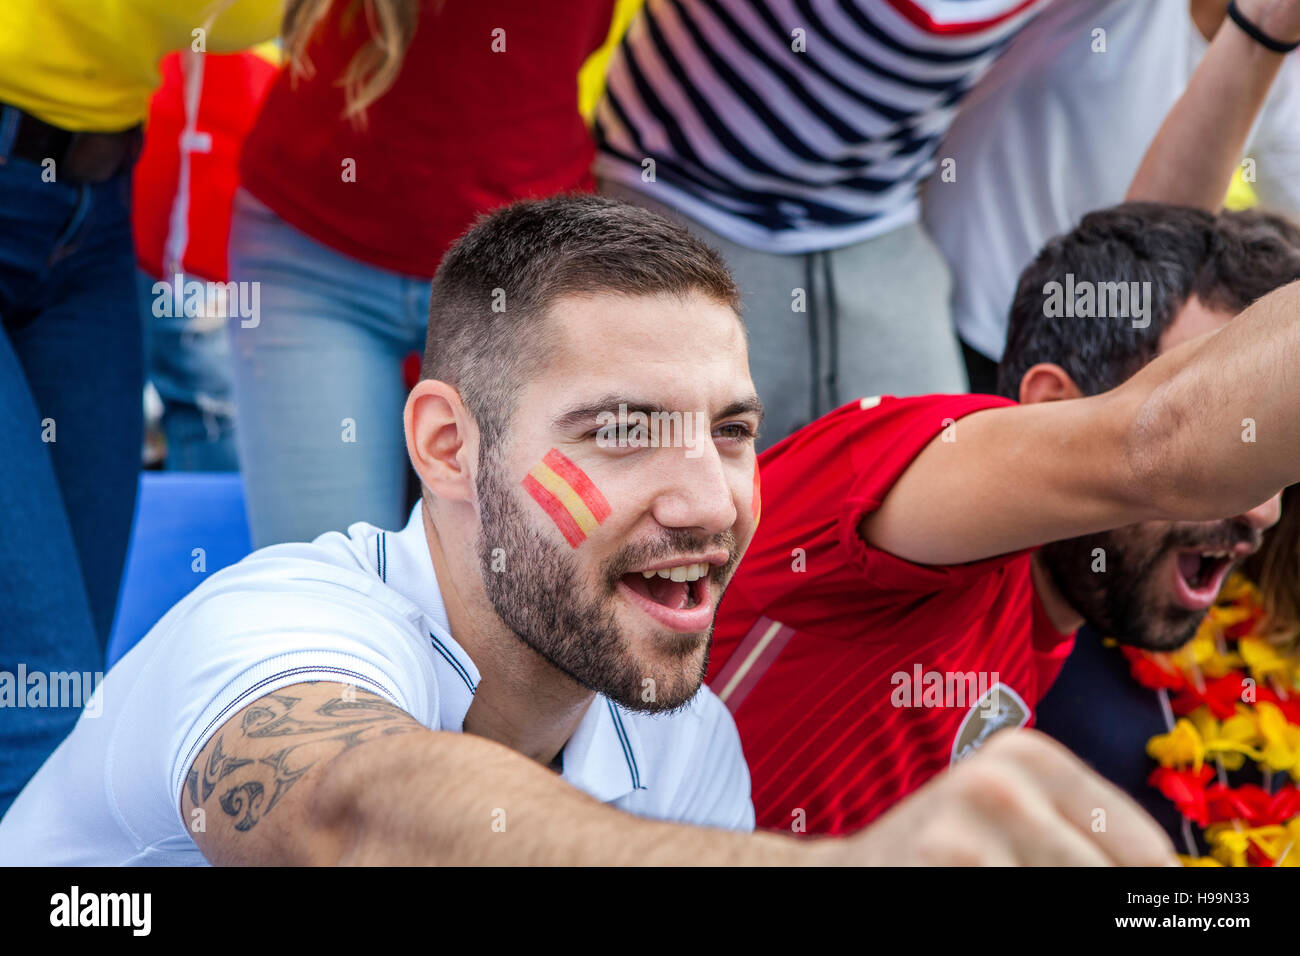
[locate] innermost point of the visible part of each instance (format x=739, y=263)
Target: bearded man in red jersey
x=923, y=562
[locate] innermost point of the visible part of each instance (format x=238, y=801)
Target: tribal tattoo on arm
x=257, y=757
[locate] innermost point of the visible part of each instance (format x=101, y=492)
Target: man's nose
x=1264, y=516
x=701, y=497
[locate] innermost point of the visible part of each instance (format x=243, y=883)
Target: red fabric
x=819, y=728
x=1252, y=804
x=922, y=16
x=1186, y=789
x=1221, y=695
x=233, y=88
x=1050, y=650
x=461, y=131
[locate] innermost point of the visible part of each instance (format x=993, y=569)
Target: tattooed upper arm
x=247, y=796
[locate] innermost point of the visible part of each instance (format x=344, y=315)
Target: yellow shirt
x=91, y=65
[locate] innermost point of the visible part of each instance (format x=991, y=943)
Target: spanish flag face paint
x=565, y=493
x=756, y=502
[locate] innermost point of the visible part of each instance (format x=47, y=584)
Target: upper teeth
x=683, y=572
x=1215, y=554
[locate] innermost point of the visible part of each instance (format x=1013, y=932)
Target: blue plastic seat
x=188, y=525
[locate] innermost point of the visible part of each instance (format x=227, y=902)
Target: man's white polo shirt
x=362, y=608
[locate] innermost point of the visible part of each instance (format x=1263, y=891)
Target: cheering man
x=496, y=682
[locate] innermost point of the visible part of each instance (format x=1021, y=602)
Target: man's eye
x=736, y=431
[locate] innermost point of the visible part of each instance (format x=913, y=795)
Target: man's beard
x=539, y=595
x=1128, y=601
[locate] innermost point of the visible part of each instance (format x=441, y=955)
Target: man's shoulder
x=333, y=549
x=325, y=574
x=873, y=419
x=850, y=456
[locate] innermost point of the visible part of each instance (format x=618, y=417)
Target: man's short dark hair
x=1227, y=261
x=492, y=292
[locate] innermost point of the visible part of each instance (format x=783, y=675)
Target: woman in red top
x=399, y=122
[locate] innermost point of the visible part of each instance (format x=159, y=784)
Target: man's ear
x=442, y=440
x=1047, y=382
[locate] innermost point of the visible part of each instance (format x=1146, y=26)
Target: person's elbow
x=1161, y=471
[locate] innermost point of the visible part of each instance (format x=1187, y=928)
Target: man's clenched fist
x=1023, y=800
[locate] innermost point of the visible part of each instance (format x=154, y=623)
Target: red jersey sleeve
x=819, y=483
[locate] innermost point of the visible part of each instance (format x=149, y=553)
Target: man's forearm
x=1198, y=147
x=455, y=799
x=1217, y=426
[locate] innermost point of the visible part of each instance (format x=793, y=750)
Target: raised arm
x=1208, y=430
x=322, y=774
x=1200, y=143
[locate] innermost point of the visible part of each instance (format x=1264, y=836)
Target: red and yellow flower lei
x=1229, y=695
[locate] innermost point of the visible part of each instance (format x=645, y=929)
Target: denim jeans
x=189, y=364
x=318, y=381
x=70, y=409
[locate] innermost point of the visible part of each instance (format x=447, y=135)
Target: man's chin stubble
x=1170, y=638
x=635, y=697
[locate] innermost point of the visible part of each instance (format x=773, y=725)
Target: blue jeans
x=189, y=365
x=318, y=381
x=70, y=409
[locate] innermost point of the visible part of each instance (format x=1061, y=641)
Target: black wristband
x=1255, y=33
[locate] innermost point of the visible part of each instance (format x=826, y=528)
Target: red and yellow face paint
x=565, y=493
x=756, y=502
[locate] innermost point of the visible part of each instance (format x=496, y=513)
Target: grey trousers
x=830, y=327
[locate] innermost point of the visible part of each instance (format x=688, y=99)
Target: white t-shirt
x=1055, y=130
x=362, y=608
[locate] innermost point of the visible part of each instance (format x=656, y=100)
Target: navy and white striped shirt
x=793, y=125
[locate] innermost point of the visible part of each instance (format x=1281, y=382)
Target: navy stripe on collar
x=455, y=663
x=627, y=746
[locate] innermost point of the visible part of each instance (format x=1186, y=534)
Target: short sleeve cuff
x=267, y=676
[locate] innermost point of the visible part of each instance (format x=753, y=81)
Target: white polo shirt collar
x=602, y=758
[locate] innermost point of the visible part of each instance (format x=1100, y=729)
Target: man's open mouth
x=678, y=597
x=1199, y=575
x=679, y=588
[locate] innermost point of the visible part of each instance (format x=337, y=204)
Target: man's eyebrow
x=589, y=412
x=746, y=406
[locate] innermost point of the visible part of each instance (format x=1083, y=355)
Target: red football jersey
x=853, y=675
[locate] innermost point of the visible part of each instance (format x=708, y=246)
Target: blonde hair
x=376, y=65
x=1275, y=568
